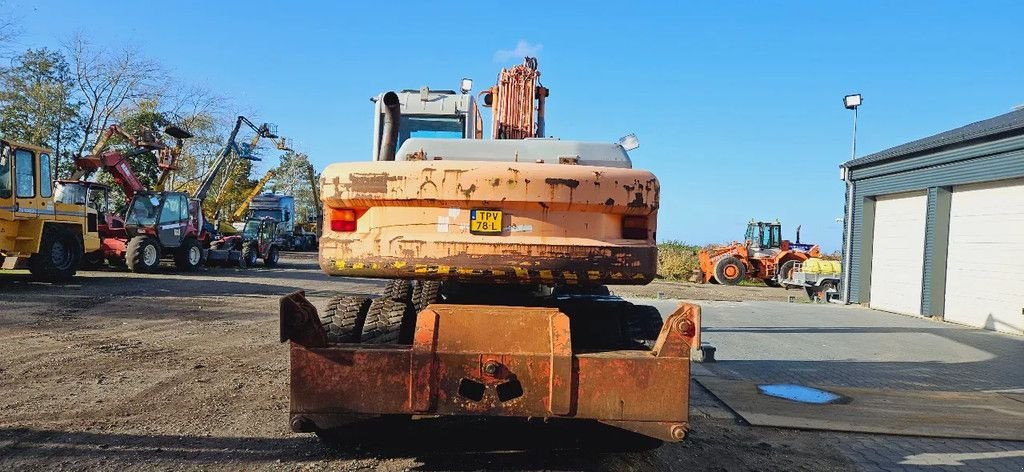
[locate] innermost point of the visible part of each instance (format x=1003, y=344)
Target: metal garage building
x=937, y=226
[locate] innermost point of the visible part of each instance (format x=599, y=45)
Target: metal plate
x=485, y=221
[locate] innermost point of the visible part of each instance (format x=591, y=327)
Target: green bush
x=677, y=260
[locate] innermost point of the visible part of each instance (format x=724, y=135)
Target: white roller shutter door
x=985, y=263
x=897, y=255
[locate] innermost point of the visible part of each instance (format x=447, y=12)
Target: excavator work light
x=466, y=85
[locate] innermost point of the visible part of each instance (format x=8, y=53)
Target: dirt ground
x=119, y=370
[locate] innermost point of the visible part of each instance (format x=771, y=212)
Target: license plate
x=484, y=222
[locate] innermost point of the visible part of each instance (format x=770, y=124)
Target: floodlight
x=852, y=101
x=467, y=85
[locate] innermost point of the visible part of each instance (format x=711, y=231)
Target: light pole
x=851, y=102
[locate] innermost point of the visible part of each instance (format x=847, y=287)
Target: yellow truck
x=43, y=228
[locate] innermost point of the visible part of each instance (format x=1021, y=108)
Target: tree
x=8, y=27
x=107, y=82
x=291, y=177
x=36, y=103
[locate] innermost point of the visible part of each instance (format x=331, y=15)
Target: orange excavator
x=499, y=252
x=763, y=255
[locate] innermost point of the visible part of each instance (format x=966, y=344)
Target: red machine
x=156, y=223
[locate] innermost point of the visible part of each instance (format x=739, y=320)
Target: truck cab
x=37, y=231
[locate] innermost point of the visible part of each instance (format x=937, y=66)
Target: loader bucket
x=176, y=132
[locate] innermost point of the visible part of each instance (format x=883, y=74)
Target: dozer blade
x=489, y=360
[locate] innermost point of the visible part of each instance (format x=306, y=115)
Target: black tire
x=642, y=324
x=399, y=290
x=383, y=321
x=730, y=271
x=188, y=256
x=424, y=293
x=786, y=270
x=250, y=255
x=143, y=254
x=343, y=320
x=60, y=253
x=273, y=256
x=772, y=283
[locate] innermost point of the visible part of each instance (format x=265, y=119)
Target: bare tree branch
x=108, y=82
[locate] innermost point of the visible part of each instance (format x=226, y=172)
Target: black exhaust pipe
x=389, y=137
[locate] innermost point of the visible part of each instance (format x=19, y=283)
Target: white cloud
x=523, y=48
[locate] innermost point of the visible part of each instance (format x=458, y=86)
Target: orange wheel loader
x=498, y=251
x=763, y=255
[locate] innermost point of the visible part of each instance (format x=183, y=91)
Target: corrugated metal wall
x=997, y=160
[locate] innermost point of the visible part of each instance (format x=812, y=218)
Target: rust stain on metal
x=467, y=192
x=371, y=183
x=571, y=183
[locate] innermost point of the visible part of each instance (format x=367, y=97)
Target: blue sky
x=737, y=104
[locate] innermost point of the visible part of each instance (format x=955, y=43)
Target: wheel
x=250, y=254
x=642, y=324
x=273, y=255
x=822, y=293
x=786, y=270
x=189, y=256
x=143, y=254
x=383, y=321
x=399, y=290
x=59, y=255
x=424, y=293
x=343, y=320
x=730, y=271
x=772, y=283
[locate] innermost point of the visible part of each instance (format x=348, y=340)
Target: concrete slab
x=973, y=415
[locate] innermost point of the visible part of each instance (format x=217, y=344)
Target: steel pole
x=848, y=222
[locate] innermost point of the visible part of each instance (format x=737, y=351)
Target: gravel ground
x=119, y=370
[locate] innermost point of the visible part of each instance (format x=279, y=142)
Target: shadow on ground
x=427, y=444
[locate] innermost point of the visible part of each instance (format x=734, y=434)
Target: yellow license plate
x=484, y=222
